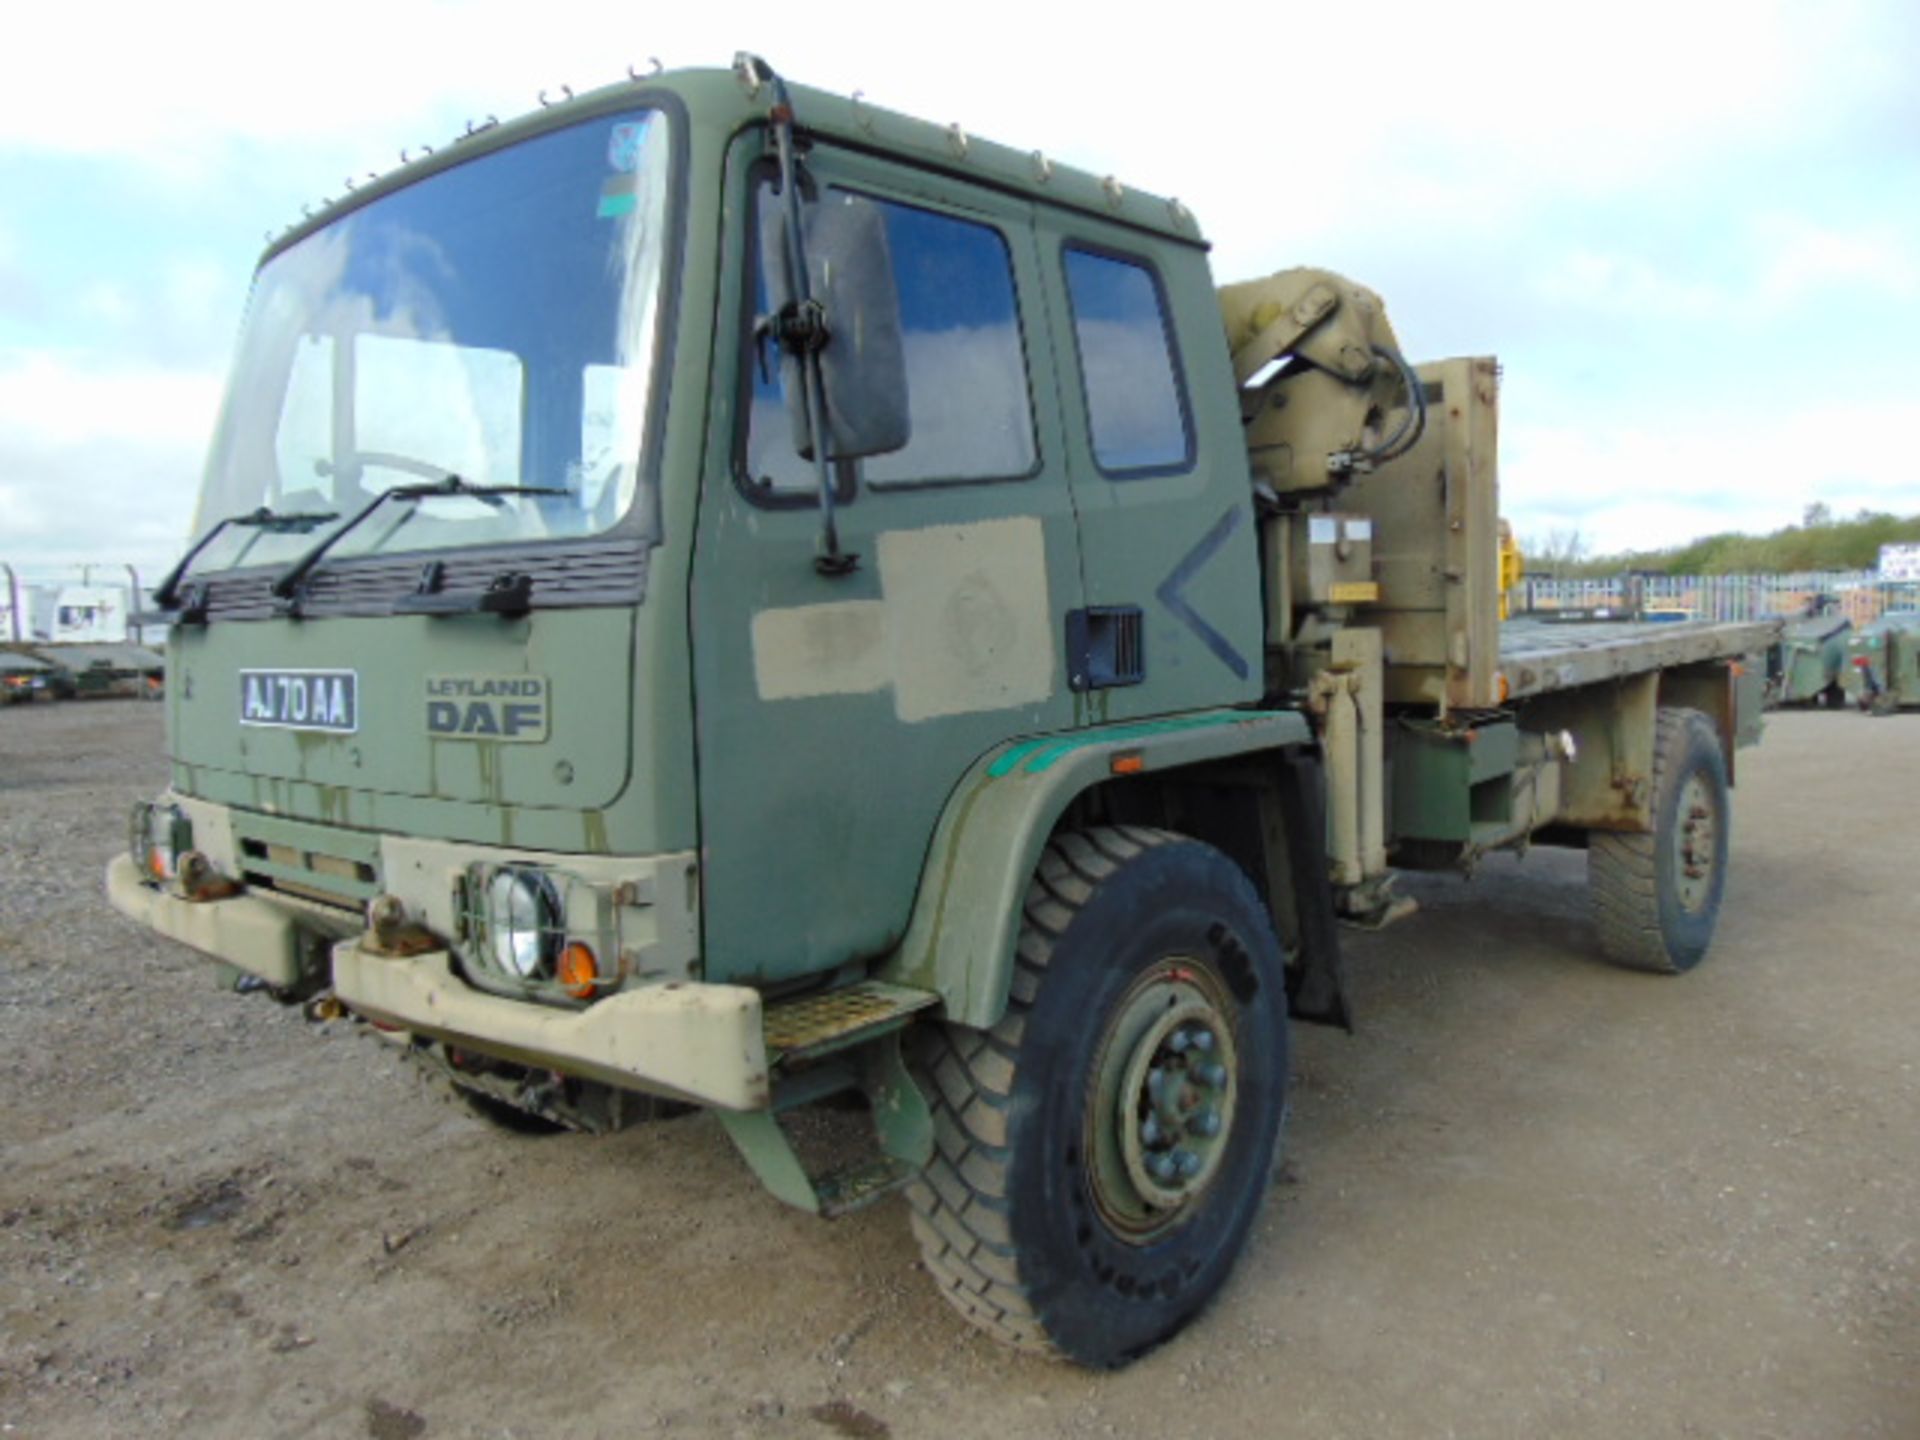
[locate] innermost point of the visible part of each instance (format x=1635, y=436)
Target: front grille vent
x=309, y=874
x=584, y=572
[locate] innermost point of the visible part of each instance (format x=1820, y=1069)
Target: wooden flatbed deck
x=1538, y=655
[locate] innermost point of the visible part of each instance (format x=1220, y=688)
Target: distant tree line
x=1818, y=542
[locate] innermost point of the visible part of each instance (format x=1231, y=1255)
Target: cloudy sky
x=1691, y=232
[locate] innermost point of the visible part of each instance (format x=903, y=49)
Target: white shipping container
x=75, y=614
x=1900, y=562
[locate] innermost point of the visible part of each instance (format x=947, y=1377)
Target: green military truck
x=1807, y=666
x=720, y=594
x=1884, y=674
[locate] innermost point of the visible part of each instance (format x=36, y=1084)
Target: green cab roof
x=721, y=98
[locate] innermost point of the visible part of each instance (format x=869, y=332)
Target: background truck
x=1806, y=667
x=1883, y=675
x=713, y=594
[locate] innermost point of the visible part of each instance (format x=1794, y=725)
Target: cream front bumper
x=695, y=1042
x=251, y=934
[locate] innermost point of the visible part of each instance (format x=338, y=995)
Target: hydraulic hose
x=1414, y=425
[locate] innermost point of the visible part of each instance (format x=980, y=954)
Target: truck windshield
x=497, y=321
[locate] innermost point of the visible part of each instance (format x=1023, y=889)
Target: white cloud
x=1640, y=488
x=1770, y=270
x=1597, y=193
x=99, y=465
x=1625, y=284
x=1599, y=97
x=102, y=502
x=1807, y=257
x=106, y=300
x=53, y=401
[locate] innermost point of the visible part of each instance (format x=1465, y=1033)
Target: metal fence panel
x=1860, y=595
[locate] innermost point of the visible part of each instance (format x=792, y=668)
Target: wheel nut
x=1213, y=1075
x=1188, y=1163
x=1163, y=1167
x=1206, y=1124
x=1203, y=1040
x=1178, y=1041
x=1149, y=1131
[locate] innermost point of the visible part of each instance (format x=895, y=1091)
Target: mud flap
x=1317, y=981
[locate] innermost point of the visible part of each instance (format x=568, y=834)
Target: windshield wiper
x=287, y=585
x=167, y=594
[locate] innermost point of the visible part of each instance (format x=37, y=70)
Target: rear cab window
x=1137, y=412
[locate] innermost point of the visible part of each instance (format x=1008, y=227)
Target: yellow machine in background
x=1512, y=566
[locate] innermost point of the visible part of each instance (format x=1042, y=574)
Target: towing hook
x=199, y=881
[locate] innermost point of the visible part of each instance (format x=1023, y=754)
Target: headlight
x=523, y=923
x=161, y=834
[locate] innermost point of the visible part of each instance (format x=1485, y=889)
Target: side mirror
x=863, y=368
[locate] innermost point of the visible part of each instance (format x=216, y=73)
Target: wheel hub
x=1698, y=841
x=1161, y=1115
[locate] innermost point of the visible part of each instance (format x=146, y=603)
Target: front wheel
x=1101, y=1152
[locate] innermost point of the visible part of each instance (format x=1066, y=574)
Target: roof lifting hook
x=653, y=61
x=566, y=93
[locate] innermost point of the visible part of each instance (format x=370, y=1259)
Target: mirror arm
x=807, y=317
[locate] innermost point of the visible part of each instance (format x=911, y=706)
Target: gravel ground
x=1532, y=1196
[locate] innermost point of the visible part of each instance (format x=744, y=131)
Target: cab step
x=829, y=1193
x=843, y=1191
x=817, y=1025
x=856, y=1031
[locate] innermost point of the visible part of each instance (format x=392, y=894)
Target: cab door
x=1158, y=471
x=835, y=714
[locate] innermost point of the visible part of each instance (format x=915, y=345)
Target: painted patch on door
x=964, y=625
x=968, y=617
x=810, y=650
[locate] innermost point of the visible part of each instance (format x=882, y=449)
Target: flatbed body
x=1538, y=656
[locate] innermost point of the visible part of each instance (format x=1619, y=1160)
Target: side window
x=972, y=414
x=1136, y=409
x=966, y=373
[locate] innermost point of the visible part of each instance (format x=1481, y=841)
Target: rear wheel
x=1103, y=1150
x=1656, y=897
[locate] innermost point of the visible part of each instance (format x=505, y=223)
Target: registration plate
x=301, y=699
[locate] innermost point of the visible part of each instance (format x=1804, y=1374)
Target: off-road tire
x=1652, y=913
x=1008, y=1213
